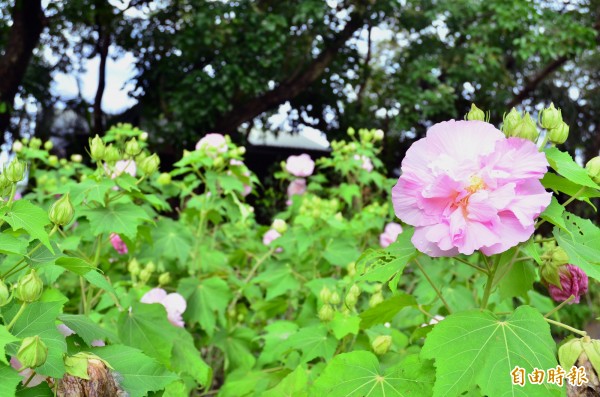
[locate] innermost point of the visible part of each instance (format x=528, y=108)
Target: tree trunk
x=28, y=22
x=103, y=45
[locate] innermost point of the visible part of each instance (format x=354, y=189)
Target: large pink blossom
x=390, y=233
x=213, y=140
x=301, y=165
x=466, y=187
x=118, y=244
x=174, y=303
x=573, y=281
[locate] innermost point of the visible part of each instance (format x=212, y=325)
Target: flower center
x=476, y=184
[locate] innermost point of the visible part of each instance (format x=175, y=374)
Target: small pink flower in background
x=122, y=166
x=297, y=186
x=301, y=165
x=98, y=343
x=366, y=165
x=247, y=188
x=213, y=140
x=270, y=236
x=26, y=373
x=573, y=281
x=66, y=331
x=174, y=303
x=18, y=196
x=466, y=187
x=436, y=319
x=118, y=244
x=390, y=233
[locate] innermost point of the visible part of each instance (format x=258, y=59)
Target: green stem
x=83, y=296
x=472, y=265
x=557, y=308
x=15, y=268
x=488, y=285
x=16, y=317
x=567, y=327
x=437, y=291
x=259, y=262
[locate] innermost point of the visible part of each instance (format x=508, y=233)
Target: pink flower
x=118, y=244
x=270, y=236
x=18, y=196
x=122, y=166
x=212, y=140
x=297, y=186
x=238, y=163
x=390, y=234
x=64, y=330
x=366, y=162
x=174, y=303
x=573, y=281
x=301, y=165
x=26, y=373
x=466, y=187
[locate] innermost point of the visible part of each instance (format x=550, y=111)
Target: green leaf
x=10, y=379
x=518, y=281
x=278, y=280
x=564, y=164
x=340, y=251
x=26, y=216
x=313, y=342
x=186, y=358
x=5, y=338
x=88, y=330
x=206, y=300
x=344, y=324
x=41, y=390
x=348, y=192
x=560, y=184
x=581, y=241
x=39, y=318
x=98, y=280
x=140, y=373
x=172, y=240
x=554, y=214
x=386, y=310
x=276, y=334
x=358, y=374
x=475, y=347
x=88, y=190
x=237, y=346
x=145, y=326
x=76, y=265
x=381, y=265
x=12, y=245
x=293, y=385
x=121, y=218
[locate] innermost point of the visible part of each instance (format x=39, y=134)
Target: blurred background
x=288, y=76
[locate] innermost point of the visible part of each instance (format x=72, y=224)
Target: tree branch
x=533, y=82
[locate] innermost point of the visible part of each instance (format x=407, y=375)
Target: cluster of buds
x=352, y=296
x=477, y=114
x=145, y=274
x=318, y=207
x=366, y=135
x=551, y=119
x=133, y=150
x=29, y=288
x=329, y=300
x=377, y=296
x=518, y=126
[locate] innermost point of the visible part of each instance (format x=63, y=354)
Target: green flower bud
x=559, y=135
x=35, y=143
x=151, y=267
x=325, y=295
x=15, y=171
x=279, y=225
x=149, y=165
x=4, y=294
x=511, y=120
x=111, y=154
x=378, y=135
x=241, y=151
x=335, y=298
x=4, y=182
x=164, y=279
x=29, y=288
x=351, y=300
x=76, y=158
x=62, y=211
x=132, y=147
x=62, y=161
x=218, y=162
x=476, y=114
x=354, y=290
x=48, y=145
x=559, y=257
x=376, y=299
x=381, y=344
x=17, y=146
x=326, y=313
x=526, y=129
x=351, y=131
x=164, y=179
x=551, y=117
x=145, y=275
x=134, y=267
x=351, y=268
x=593, y=169
x=33, y=352
x=144, y=136
x=53, y=160
x=97, y=148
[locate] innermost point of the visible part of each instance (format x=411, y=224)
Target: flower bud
x=559, y=135
x=354, y=290
x=48, y=145
x=53, y=160
x=351, y=131
x=511, y=120
x=326, y=313
x=144, y=136
x=378, y=135
x=525, y=129
x=551, y=117
x=33, y=352
x=35, y=143
x=132, y=147
x=111, y=154
x=149, y=165
x=17, y=146
x=164, y=279
x=559, y=256
x=218, y=162
x=376, y=299
x=62, y=211
x=279, y=225
x=476, y=114
x=573, y=281
x=325, y=295
x=151, y=267
x=164, y=179
x=351, y=268
x=76, y=158
x=4, y=182
x=335, y=298
x=134, y=267
x=145, y=275
x=63, y=162
x=29, y=288
x=351, y=300
x=241, y=150
x=15, y=171
x=97, y=148
x=381, y=344
x=593, y=169
x=4, y=294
